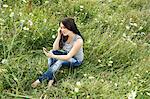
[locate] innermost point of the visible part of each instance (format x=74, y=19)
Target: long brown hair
x=69, y=23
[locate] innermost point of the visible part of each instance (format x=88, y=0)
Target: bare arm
x=56, y=42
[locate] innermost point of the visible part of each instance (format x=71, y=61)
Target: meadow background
x=116, y=47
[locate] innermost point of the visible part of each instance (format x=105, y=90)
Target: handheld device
x=45, y=49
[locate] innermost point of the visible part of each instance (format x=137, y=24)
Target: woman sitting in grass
x=67, y=51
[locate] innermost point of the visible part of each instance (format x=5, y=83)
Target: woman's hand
x=59, y=32
x=47, y=53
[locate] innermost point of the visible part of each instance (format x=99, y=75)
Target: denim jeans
x=54, y=65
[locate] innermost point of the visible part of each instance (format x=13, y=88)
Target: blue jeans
x=54, y=65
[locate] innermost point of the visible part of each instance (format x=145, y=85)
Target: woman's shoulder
x=78, y=37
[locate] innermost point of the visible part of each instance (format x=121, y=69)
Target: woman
x=67, y=50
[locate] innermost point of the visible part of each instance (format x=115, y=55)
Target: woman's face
x=64, y=30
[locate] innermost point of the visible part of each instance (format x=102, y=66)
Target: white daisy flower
x=5, y=5
x=25, y=28
x=53, y=36
x=81, y=6
x=91, y=77
x=24, y=1
x=30, y=22
x=132, y=95
x=46, y=2
x=84, y=75
x=76, y=89
x=11, y=14
x=99, y=61
x=4, y=61
x=45, y=20
x=127, y=27
x=78, y=84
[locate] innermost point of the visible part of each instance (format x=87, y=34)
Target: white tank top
x=68, y=46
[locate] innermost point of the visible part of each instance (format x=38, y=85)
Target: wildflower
x=20, y=13
x=2, y=20
x=116, y=84
x=142, y=33
x=148, y=93
x=22, y=21
x=89, y=41
x=110, y=17
x=132, y=95
x=46, y=2
x=25, y=28
x=34, y=38
x=137, y=75
x=87, y=96
x=15, y=79
x=76, y=89
x=102, y=80
x=78, y=84
x=99, y=60
x=75, y=12
x=53, y=36
x=134, y=24
x=140, y=28
x=1, y=23
x=25, y=36
x=95, y=19
x=130, y=19
x=128, y=38
x=30, y=22
x=3, y=70
x=124, y=35
x=1, y=38
x=133, y=43
x=110, y=62
x=121, y=23
x=3, y=11
x=81, y=6
x=31, y=14
x=10, y=10
x=58, y=12
x=109, y=0
x=81, y=23
x=45, y=20
x=40, y=72
x=91, y=77
x=109, y=35
x=84, y=75
x=4, y=61
x=127, y=27
x=11, y=14
x=5, y=5
x=61, y=71
x=24, y=1
x=134, y=33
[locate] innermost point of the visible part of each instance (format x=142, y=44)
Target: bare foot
x=50, y=83
x=34, y=85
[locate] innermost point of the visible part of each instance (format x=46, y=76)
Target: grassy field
x=116, y=47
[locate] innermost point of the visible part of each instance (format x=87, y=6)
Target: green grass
x=116, y=47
